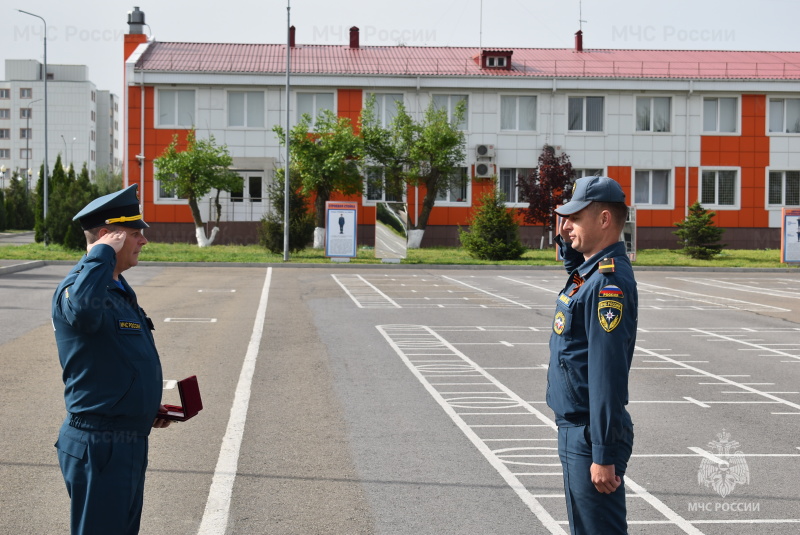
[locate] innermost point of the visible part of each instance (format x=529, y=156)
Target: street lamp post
x=46, y=167
x=2, y=176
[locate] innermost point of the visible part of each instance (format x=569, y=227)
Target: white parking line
x=215, y=516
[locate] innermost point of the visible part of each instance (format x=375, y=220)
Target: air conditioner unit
x=484, y=170
x=484, y=151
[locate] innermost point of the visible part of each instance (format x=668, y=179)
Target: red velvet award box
x=191, y=403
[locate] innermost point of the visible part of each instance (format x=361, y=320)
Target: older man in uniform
x=111, y=372
x=591, y=348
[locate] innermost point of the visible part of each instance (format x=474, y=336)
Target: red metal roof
x=460, y=61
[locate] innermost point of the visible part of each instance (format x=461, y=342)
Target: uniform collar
x=586, y=269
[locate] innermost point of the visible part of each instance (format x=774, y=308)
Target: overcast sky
x=91, y=32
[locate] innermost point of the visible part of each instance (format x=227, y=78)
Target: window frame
x=516, y=128
x=5, y=133
x=381, y=114
x=669, y=205
x=5, y=114
x=5, y=93
x=26, y=133
x=23, y=151
x=468, y=197
x=245, y=108
x=650, y=130
x=583, y=130
x=782, y=131
x=157, y=108
x=298, y=115
x=516, y=203
x=7, y=153
x=365, y=200
x=737, y=115
x=451, y=106
x=772, y=206
x=737, y=190
x=23, y=91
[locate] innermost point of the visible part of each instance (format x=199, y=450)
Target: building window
x=653, y=114
x=585, y=114
x=458, y=191
x=246, y=109
x=93, y=155
x=5, y=154
x=5, y=113
x=449, y=103
x=518, y=113
x=254, y=192
x=176, y=107
x=25, y=92
x=5, y=93
x=376, y=188
x=719, y=114
x=495, y=61
x=507, y=184
x=26, y=154
x=784, y=115
x=385, y=108
x=784, y=188
x=165, y=193
x=312, y=104
x=718, y=188
x=26, y=133
x=5, y=133
x=94, y=97
x=25, y=113
x=652, y=188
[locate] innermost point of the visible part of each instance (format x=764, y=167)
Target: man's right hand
x=114, y=238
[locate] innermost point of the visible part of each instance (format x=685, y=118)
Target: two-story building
x=672, y=127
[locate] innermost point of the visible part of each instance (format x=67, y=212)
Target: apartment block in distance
x=83, y=123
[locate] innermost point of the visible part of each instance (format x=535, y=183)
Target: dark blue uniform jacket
x=591, y=347
x=111, y=366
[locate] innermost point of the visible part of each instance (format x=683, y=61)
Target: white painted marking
x=215, y=516
x=213, y=290
x=697, y=402
x=742, y=288
x=485, y=292
x=708, y=299
x=190, y=320
x=710, y=456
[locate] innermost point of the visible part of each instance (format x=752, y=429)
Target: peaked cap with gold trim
x=118, y=208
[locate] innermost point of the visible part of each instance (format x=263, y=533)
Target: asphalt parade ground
x=390, y=400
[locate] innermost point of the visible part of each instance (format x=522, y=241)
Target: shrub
x=698, y=235
x=301, y=223
x=493, y=232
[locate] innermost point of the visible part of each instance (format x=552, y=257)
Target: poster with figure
x=790, y=236
x=341, y=223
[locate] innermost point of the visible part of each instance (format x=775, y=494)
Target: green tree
x=493, y=232
x=108, y=181
x=19, y=205
x=698, y=235
x=301, y=222
x=194, y=172
x=324, y=157
x=428, y=153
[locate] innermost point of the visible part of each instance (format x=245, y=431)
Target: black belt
x=93, y=422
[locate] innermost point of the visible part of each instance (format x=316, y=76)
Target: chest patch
x=610, y=314
x=129, y=326
x=559, y=322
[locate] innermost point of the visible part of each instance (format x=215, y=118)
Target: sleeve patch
x=610, y=314
x=611, y=291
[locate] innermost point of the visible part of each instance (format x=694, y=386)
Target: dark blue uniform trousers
x=104, y=473
x=591, y=512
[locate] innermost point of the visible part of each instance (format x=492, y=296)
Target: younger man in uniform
x=111, y=372
x=591, y=348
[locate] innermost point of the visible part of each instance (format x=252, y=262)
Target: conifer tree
x=493, y=232
x=698, y=235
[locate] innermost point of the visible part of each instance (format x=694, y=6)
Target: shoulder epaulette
x=606, y=265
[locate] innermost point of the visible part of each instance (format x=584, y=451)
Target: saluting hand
x=114, y=238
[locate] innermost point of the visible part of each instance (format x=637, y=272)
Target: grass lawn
x=184, y=252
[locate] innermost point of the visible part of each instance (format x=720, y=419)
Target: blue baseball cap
x=589, y=189
x=118, y=208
